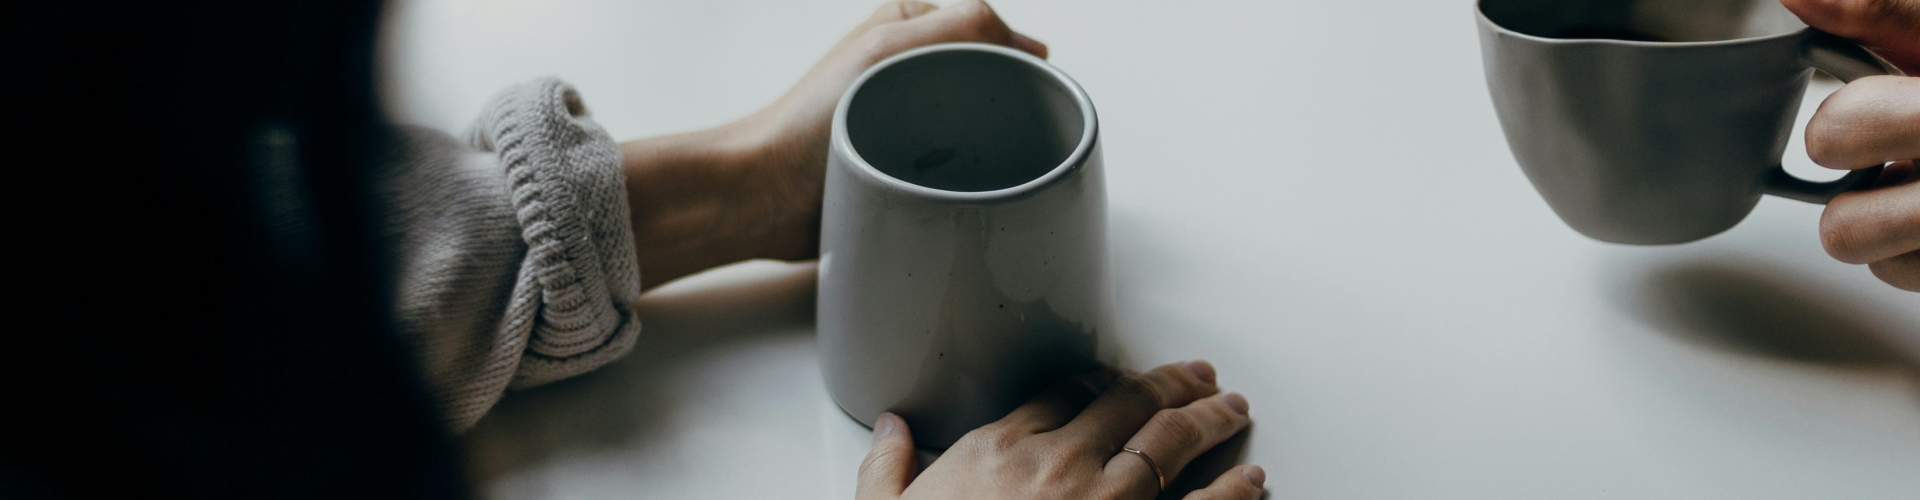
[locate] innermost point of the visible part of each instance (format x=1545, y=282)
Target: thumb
x=1890, y=27
x=890, y=466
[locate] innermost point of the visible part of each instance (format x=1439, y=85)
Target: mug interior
x=964, y=120
x=1643, y=20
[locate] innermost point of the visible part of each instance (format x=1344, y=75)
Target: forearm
x=713, y=197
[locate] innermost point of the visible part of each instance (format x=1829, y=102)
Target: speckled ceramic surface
x=963, y=260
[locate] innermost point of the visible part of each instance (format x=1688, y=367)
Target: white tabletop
x=1315, y=196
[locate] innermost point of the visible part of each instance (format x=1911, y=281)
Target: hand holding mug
x=1872, y=121
x=751, y=188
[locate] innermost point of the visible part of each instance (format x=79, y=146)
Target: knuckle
x=1181, y=428
x=1058, y=464
x=995, y=427
x=1006, y=433
x=889, y=10
x=1836, y=128
x=1864, y=122
x=882, y=458
x=979, y=18
x=1189, y=380
x=974, y=9
x=992, y=439
x=1178, y=385
x=1138, y=389
x=898, y=10
x=1067, y=455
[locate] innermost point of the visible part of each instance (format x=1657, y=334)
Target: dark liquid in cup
x=1608, y=33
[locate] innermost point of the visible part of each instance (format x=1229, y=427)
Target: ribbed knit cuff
x=579, y=280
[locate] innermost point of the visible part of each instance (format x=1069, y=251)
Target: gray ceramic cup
x=963, y=258
x=1658, y=121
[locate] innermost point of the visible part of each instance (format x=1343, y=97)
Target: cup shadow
x=624, y=403
x=1750, y=309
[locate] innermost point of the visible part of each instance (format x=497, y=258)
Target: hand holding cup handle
x=1658, y=126
x=1873, y=121
x=1847, y=61
x=1658, y=122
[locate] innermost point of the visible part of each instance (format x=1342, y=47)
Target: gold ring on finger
x=1161, y=478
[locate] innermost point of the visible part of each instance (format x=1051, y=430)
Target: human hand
x=752, y=188
x=1872, y=121
x=1068, y=441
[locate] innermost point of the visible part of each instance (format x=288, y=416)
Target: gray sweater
x=512, y=249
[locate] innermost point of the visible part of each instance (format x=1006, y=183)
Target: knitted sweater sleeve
x=513, y=252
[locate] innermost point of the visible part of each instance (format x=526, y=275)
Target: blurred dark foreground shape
x=201, y=311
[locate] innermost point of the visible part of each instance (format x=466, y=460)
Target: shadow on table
x=1750, y=308
x=625, y=403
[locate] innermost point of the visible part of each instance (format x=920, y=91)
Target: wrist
x=781, y=173
x=712, y=197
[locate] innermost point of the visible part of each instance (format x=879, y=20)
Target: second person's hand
x=1870, y=122
x=1072, y=441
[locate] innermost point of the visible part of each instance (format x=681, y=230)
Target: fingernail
x=1200, y=369
x=884, y=426
x=1255, y=475
x=1236, y=401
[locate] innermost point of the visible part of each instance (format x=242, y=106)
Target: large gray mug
x=1658, y=121
x=963, y=259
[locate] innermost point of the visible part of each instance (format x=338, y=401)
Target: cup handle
x=1847, y=61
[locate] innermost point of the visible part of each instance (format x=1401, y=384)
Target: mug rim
x=1479, y=11
x=868, y=173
